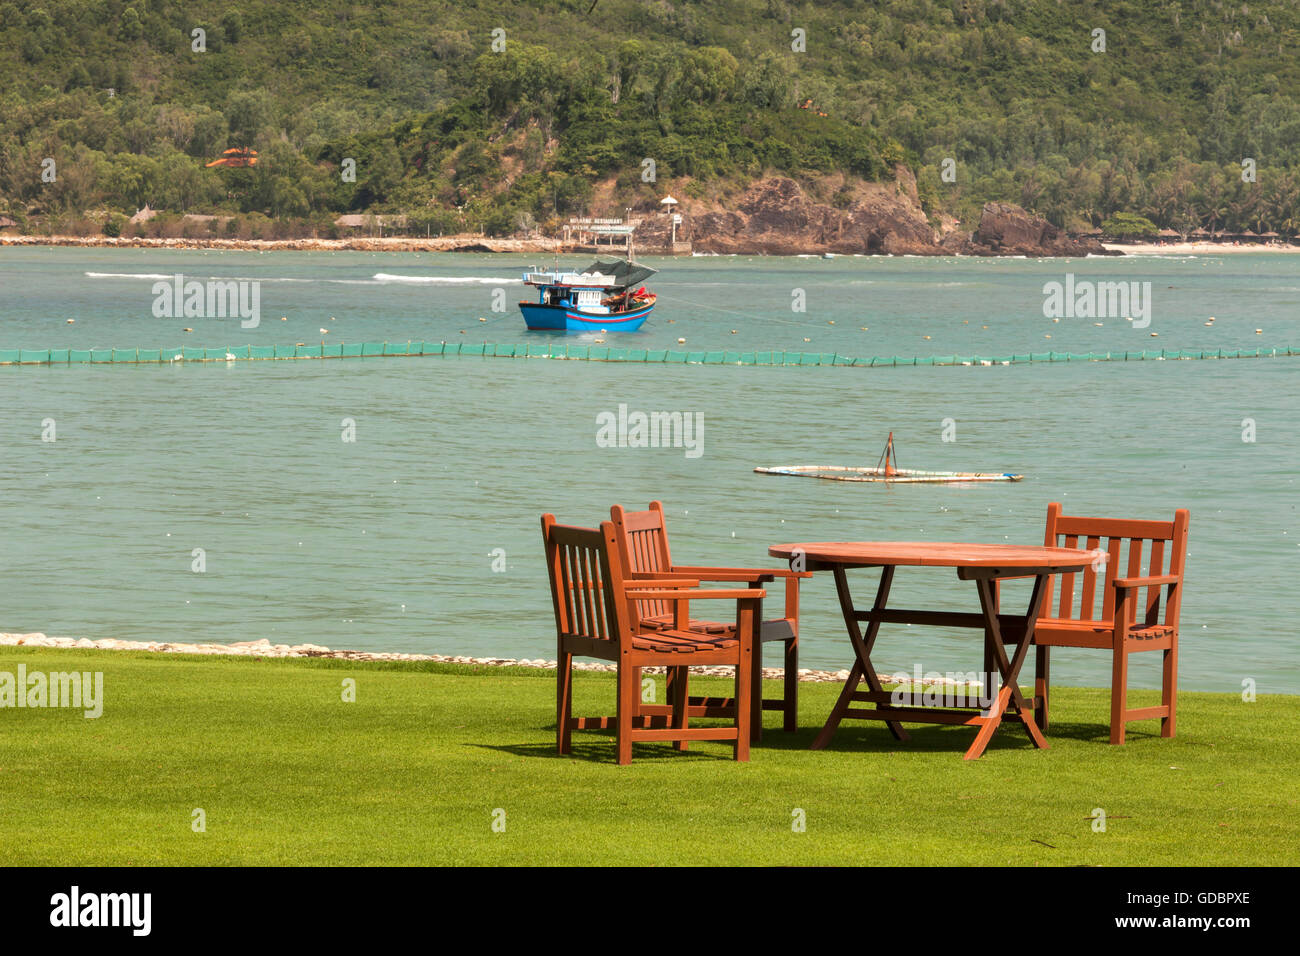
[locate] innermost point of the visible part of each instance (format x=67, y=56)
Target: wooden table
x=985, y=564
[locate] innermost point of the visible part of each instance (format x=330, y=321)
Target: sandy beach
x=1194, y=248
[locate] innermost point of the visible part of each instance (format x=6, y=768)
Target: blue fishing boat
x=607, y=296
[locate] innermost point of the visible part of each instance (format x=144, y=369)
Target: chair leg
x=1042, y=681
x=1169, y=690
x=1118, y=691
x=628, y=693
x=680, y=697
x=744, y=678
x=790, y=722
x=563, y=703
x=756, y=693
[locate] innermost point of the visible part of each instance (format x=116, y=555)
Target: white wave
x=441, y=280
x=378, y=279
x=128, y=275
x=190, y=277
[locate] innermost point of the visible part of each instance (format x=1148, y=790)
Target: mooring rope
x=593, y=353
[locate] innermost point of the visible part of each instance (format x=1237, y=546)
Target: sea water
x=394, y=504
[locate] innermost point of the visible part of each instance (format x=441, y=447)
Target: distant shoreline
x=537, y=246
x=351, y=244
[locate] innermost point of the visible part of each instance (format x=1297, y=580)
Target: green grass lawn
x=413, y=770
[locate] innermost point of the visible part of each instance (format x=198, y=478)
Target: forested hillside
x=1076, y=110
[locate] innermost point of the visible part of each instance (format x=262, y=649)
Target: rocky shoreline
x=777, y=216
x=265, y=649
x=774, y=216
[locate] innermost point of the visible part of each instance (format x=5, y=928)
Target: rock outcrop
x=776, y=217
x=1007, y=230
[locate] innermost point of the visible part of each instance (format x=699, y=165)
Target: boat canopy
x=627, y=273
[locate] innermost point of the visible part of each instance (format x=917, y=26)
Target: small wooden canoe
x=886, y=471
x=900, y=476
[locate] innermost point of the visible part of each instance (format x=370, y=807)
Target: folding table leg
x=862, y=669
x=1009, y=691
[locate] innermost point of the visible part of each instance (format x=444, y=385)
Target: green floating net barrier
x=592, y=353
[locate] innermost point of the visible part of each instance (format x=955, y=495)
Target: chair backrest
x=586, y=586
x=1124, y=541
x=643, y=548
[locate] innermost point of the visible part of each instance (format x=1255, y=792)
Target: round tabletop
x=942, y=554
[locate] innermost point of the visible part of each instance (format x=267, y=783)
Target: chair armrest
x=696, y=594
x=660, y=584
x=1128, y=584
x=756, y=577
x=752, y=573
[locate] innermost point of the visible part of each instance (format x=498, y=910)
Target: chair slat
x=1114, y=545
x=1134, y=571
x=589, y=595
x=1155, y=568
x=583, y=591
x=1088, y=602
x=599, y=596
x=1066, y=601
x=1066, y=608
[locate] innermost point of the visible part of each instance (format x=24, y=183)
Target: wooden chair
x=1116, y=626
x=643, y=544
x=595, y=616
